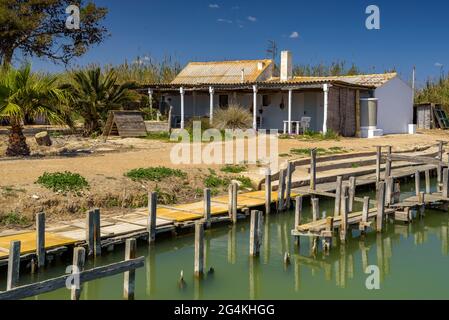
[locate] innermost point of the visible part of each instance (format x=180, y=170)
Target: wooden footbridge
x=327, y=178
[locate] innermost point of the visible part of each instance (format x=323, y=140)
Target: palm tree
x=94, y=94
x=26, y=94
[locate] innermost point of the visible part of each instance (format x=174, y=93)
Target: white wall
x=395, y=109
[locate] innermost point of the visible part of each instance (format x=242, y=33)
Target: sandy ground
x=103, y=164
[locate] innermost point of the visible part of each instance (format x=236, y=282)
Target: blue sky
x=412, y=32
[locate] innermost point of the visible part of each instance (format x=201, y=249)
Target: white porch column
x=211, y=106
x=150, y=99
x=290, y=91
x=255, y=107
x=182, y=92
x=326, y=104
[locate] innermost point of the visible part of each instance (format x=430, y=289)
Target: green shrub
x=233, y=168
x=154, y=174
x=213, y=181
x=245, y=182
x=14, y=219
x=63, y=181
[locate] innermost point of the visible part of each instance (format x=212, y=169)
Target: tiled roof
x=224, y=72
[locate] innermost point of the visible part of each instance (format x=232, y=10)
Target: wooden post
x=152, y=210
x=129, y=282
x=207, y=206
x=388, y=167
x=13, y=265
x=380, y=197
x=233, y=191
x=338, y=196
x=313, y=169
x=40, y=239
x=378, y=162
x=290, y=169
x=97, y=232
x=388, y=191
x=417, y=183
x=315, y=209
x=281, y=190
x=365, y=212
x=439, y=179
x=445, y=183
x=428, y=189
x=440, y=150
x=298, y=211
x=199, y=249
x=268, y=191
x=397, y=192
x=90, y=224
x=254, y=241
x=78, y=261
x=352, y=187
x=327, y=244
x=344, y=217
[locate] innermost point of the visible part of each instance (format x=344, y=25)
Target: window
x=223, y=101
x=266, y=100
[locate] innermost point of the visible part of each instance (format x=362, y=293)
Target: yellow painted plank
x=178, y=216
x=28, y=242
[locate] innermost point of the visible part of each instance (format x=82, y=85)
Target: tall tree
x=38, y=28
x=22, y=94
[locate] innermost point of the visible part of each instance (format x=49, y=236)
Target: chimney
x=260, y=66
x=286, y=66
x=242, y=76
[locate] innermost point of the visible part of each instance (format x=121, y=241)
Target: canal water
x=412, y=259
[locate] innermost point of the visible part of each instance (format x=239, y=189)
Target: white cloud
x=214, y=6
x=438, y=64
x=252, y=19
x=224, y=20
x=294, y=35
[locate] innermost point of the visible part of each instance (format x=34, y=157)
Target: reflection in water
x=254, y=278
x=231, y=244
x=150, y=266
x=267, y=240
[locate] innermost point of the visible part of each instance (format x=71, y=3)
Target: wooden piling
x=79, y=256
x=327, y=243
x=380, y=197
x=254, y=241
x=397, y=192
x=207, y=207
x=388, y=168
x=427, y=174
x=344, y=217
x=417, y=183
x=440, y=150
x=152, y=210
x=233, y=192
x=378, y=162
x=97, y=232
x=439, y=178
x=388, y=191
x=13, y=265
x=338, y=196
x=290, y=169
x=365, y=211
x=268, y=191
x=313, y=169
x=129, y=281
x=40, y=239
x=445, y=183
x=199, y=249
x=352, y=187
x=315, y=209
x=281, y=190
x=298, y=211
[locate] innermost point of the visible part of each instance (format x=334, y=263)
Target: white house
x=344, y=104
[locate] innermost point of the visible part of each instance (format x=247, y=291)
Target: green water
x=413, y=260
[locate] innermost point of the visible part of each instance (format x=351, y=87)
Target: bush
x=245, y=182
x=154, y=174
x=63, y=181
x=14, y=219
x=213, y=181
x=234, y=117
x=233, y=168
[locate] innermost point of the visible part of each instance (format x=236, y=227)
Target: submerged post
x=152, y=210
x=380, y=197
x=338, y=196
x=129, y=281
x=268, y=191
x=352, y=187
x=79, y=256
x=40, y=239
x=199, y=249
x=344, y=216
x=378, y=162
x=281, y=190
x=315, y=209
x=417, y=183
x=290, y=169
x=298, y=211
x=97, y=232
x=313, y=169
x=13, y=265
x=439, y=179
x=254, y=241
x=207, y=206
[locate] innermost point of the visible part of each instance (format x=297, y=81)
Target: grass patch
x=14, y=219
x=12, y=191
x=318, y=136
x=154, y=174
x=163, y=136
x=320, y=151
x=63, y=181
x=233, y=168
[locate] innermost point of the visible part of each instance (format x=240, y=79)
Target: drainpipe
x=182, y=92
x=211, y=106
x=326, y=104
x=255, y=107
